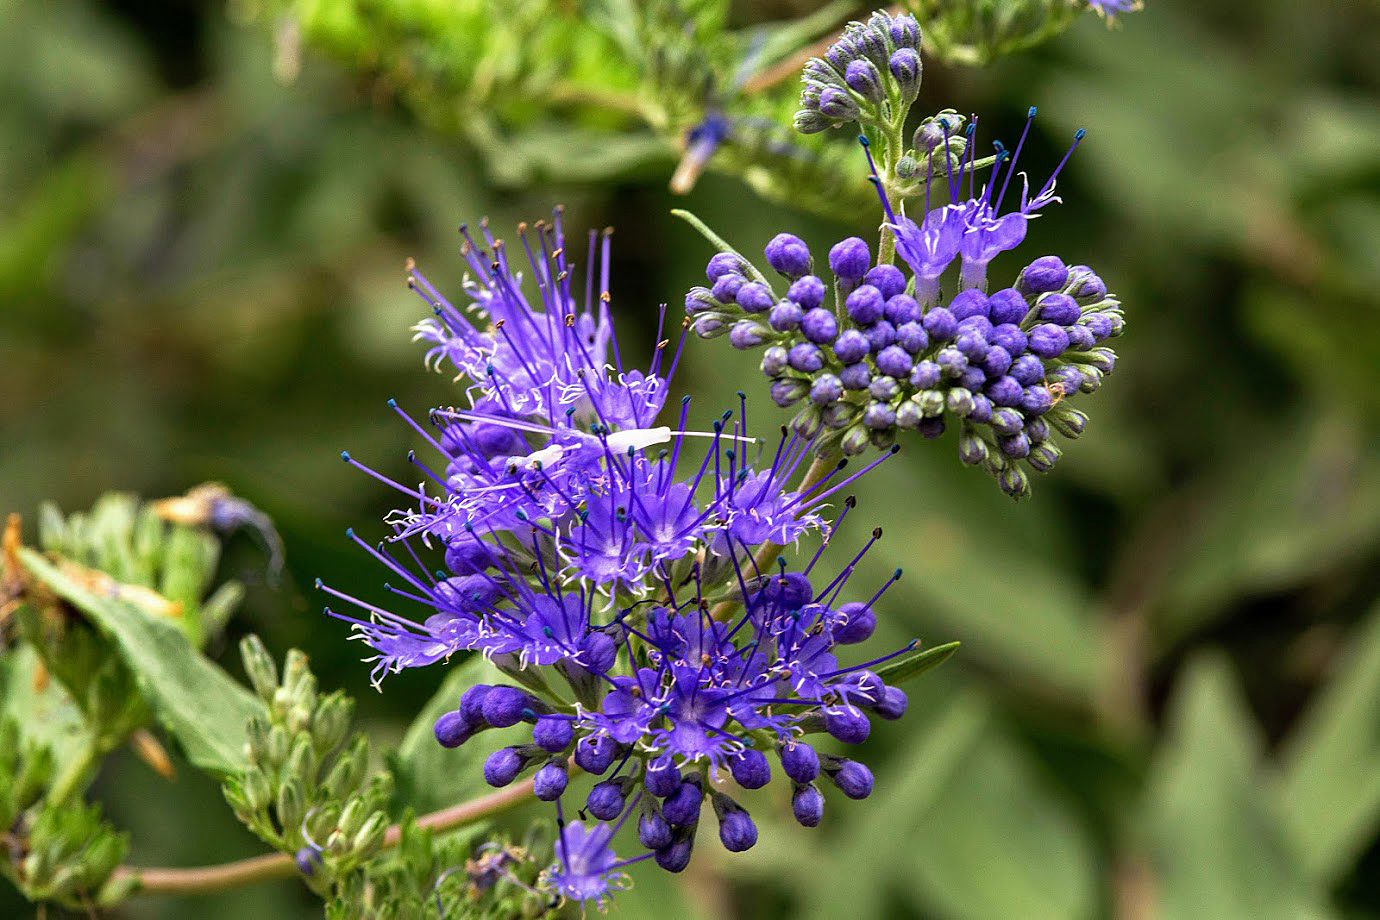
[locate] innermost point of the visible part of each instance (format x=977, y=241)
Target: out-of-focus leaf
x=197, y=702
x=1330, y=794
x=976, y=832
x=997, y=579
x=41, y=706
x=1218, y=848
x=912, y=666
x=1274, y=518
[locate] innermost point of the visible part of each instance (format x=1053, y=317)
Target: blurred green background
x=1167, y=703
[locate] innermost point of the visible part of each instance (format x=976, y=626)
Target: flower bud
x=857, y=622
x=807, y=804
x=850, y=259
x=595, y=754
x=259, y=667
x=653, y=831
x=675, y=857
x=503, y=766
x=552, y=734
x=847, y=724
x=787, y=391
x=862, y=78
x=852, y=778
x=774, y=361
x=661, y=777
x=905, y=68
x=550, y=782
x=369, y=838
x=750, y=769
x=505, y=706
x=855, y=441
x=452, y=730
x=892, y=705
x=737, y=832
x=747, y=334
x=807, y=422
x=606, y=800
x=682, y=807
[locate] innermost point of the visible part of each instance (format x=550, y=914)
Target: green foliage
x=201, y=273
x=197, y=702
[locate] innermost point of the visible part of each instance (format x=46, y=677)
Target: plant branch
x=200, y=879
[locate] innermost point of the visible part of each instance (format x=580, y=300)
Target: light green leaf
x=1217, y=848
x=1330, y=794
x=42, y=708
x=913, y=665
x=198, y=703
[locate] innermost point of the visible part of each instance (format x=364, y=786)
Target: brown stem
x=201, y=879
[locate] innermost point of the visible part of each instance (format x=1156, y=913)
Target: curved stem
x=200, y=879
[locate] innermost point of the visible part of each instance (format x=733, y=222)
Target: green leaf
x=1217, y=848
x=1330, y=794
x=912, y=666
x=43, y=709
x=198, y=703
x=974, y=832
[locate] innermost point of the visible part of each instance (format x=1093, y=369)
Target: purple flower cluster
x=869, y=75
x=607, y=565
x=888, y=352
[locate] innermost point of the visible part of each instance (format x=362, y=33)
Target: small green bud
x=331, y=721
x=352, y=816
x=839, y=415
x=290, y=805
x=370, y=836
x=302, y=761
x=298, y=718
x=276, y=746
x=259, y=667
x=907, y=167
x=807, y=422
x=931, y=402
x=960, y=402
x=908, y=415
x=855, y=440
x=254, y=788
x=1068, y=422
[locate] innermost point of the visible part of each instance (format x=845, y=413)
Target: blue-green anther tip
x=862, y=139
x=1032, y=112
x=392, y=403
x=1078, y=135
x=345, y=455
